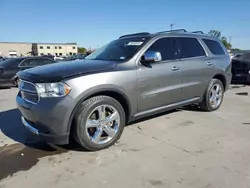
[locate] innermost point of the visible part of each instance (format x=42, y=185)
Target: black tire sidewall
x=211, y=84
x=81, y=125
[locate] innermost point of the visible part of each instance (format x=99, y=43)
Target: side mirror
x=151, y=56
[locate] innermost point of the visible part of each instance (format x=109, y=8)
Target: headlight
x=52, y=89
x=249, y=72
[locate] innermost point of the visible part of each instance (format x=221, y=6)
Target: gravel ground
x=182, y=148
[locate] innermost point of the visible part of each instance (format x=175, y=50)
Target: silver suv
x=132, y=77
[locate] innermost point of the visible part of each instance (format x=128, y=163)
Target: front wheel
x=99, y=123
x=213, y=96
x=16, y=82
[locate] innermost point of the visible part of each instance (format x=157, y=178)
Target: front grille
x=28, y=92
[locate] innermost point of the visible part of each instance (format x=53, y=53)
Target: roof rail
x=170, y=31
x=198, y=32
x=135, y=34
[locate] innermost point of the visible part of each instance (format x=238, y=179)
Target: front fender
x=123, y=83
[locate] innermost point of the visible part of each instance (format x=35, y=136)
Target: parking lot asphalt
x=182, y=148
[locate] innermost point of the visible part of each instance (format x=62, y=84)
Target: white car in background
x=58, y=58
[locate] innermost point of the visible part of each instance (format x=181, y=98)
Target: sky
x=97, y=22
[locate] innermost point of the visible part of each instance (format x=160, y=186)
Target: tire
x=15, y=83
x=82, y=132
x=206, y=105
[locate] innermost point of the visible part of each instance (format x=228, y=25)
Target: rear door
x=196, y=67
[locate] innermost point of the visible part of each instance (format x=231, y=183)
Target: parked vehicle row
x=10, y=67
x=75, y=57
x=132, y=77
x=241, y=68
x=66, y=58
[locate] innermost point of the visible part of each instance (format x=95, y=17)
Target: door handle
x=175, y=68
x=209, y=63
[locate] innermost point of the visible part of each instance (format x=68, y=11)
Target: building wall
x=61, y=49
x=7, y=48
x=57, y=49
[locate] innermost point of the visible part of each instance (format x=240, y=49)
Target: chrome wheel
x=102, y=124
x=215, y=96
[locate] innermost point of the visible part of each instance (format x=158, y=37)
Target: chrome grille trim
x=25, y=90
x=28, y=91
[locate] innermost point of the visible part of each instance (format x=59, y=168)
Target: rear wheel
x=213, y=96
x=99, y=123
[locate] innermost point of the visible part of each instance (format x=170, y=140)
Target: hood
x=57, y=71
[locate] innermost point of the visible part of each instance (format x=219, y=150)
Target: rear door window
x=28, y=63
x=190, y=47
x=214, y=47
x=44, y=61
x=167, y=48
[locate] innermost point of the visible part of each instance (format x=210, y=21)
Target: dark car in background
x=241, y=68
x=9, y=68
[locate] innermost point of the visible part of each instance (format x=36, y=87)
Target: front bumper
x=48, y=119
x=49, y=138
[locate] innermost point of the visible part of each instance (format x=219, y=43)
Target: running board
x=170, y=106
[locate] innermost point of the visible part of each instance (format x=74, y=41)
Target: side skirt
x=166, y=108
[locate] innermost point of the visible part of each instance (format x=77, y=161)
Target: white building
x=58, y=49
x=24, y=48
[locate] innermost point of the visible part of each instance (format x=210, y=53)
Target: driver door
x=160, y=82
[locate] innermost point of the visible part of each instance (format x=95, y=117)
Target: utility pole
x=171, y=26
x=230, y=39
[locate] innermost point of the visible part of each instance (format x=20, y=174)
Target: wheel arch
x=222, y=78
x=117, y=94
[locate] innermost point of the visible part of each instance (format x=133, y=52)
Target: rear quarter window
x=214, y=47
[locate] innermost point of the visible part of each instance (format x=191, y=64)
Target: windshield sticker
x=134, y=43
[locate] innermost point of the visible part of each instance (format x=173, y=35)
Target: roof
x=179, y=32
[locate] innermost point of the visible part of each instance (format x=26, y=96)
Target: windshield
x=119, y=50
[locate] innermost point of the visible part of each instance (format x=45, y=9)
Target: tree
x=34, y=50
x=81, y=50
x=235, y=50
x=215, y=33
x=226, y=43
